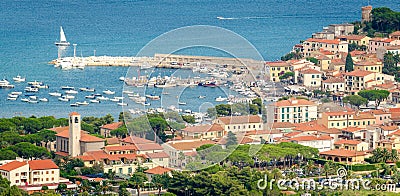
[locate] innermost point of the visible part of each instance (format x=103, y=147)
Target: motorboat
x=43, y=100
x=86, y=89
x=114, y=100
x=202, y=97
x=40, y=86
x=33, y=97
x=55, y=94
x=145, y=103
x=24, y=99
x=5, y=84
x=35, y=83
x=122, y=104
x=71, y=92
x=12, y=98
x=32, y=101
x=89, y=96
x=122, y=78
x=153, y=97
x=69, y=96
x=82, y=103
x=16, y=93
x=94, y=101
x=18, y=78
x=127, y=92
x=31, y=89
x=119, y=98
x=220, y=99
x=63, y=99
x=74, y=105
x=108, y=92
x=102, y=98
x=97, y=95
x=181, y=103
x=67, y=87
x=134, y=95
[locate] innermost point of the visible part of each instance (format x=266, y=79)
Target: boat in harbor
x=202, y=97
x=94, y=101
x=55, y=94
x=63, y=40
x=127, y=92
x=89, y=96
x=86, y=89
x=122, y=104
x=35, y=83
x=19, y=78
x=74, y=105
x=33, y=101
x=108, y=92
x=220, y=99
x=153, y=97
x=69, y=97
x=16, y=93
x=12, y=98
x=122, y=78
x=33, y=97
x=114, y=100
x=145, y=103
x=24, y=99
x=82, y=103
x=43, y=100
x=31, y=89
x=63, y=99
x=67, y=87
x=71, y=92
x=181, y=103
x=5, y=84
x=41, y=86
x=102, y=98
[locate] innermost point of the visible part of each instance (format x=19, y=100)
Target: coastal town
x=332, y=103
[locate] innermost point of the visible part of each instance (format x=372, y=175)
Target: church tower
x=74, y=134
x=366, y=13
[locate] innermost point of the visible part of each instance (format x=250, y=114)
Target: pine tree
x=231, y=140
x=349, y=63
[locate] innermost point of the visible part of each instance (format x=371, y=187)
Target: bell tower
x=74, y=134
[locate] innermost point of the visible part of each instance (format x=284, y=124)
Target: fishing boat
x=67, y=87
x=43, y=100
x=18, y=78
x=220, y=99
x=55, y=94
x=71, y=92
x=63, y=99
x=108, y=92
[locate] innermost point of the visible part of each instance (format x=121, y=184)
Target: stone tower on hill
x=366, y=13
x=74, y=134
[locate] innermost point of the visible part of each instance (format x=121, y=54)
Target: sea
x=30, y=28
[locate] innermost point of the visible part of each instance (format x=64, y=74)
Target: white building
x=294, y=110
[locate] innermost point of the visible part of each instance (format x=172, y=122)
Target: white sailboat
x=63, y=39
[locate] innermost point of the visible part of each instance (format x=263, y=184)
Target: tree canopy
x=349, y=66
x=374, y=95
x=355, y=100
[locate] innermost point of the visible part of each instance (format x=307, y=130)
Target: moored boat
x=108, y=92
x=18, y=78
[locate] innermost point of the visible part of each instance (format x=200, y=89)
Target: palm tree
x=327, y=168
x=393, y=156
x=137, y=181
x=377, y=155
x=310, y=166
x=385, y=155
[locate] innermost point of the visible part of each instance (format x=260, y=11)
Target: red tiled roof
x=113, y=140
x=84, y=136
x=74, y=114
x=390, y=127
x=247, y=140
x=59, y=129
x=203, y=128
x=158, y=170
x=310, y=71
x=359, y=73
x=136, y=140
x=112, y=126
x=311, y=138
x=357, y=53
x=120, y=148
x=12, y=165
x=240, y=119
x=294, y=102
x=262, y=132
x=352, y=129
x=349, y=142
x=278, y=125
x=149, y=146
x=343, y=153
x=353, y=37
x=396, y=33
x=277, y=63
x=309, y=126
x=379, y=39
x=190, y=145
x=42, y=164
x=325, y=41
x=291, y=134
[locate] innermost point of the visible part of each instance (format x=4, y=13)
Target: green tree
x=349, y=66
x=7, y=154
x=374, y=95
x=231, y=139
x=137, y=181
x=160, y=181
x=47, y=136
x=312, y=60
x=355, y=100
x=120, y=132
x=28, y=150
x=189, y=119
x=159, y=125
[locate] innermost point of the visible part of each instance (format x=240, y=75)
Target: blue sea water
x=28, y=30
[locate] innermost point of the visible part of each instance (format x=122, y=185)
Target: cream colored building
x=361, y=40
x=351, y=145
x=377, y=42
x=334, y=85
x=209, y=132
x=373, y=66
x=334, y=46
x=240, y=123
x=360, y=80
x=310, y=78
x=346, y=119
x=294, y=110
x=278, y=68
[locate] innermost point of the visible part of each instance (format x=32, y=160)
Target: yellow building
x=345, y=119
x=208, y=132
x=361, y=40
x=373, y=66
x=240, y=123
x=351, y=145
x=344, y=156
x=310, y=78
x=278, y=68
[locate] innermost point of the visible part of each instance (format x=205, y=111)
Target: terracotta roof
x=343, y=153
x=379, y=39
x=338, y=62
x=84, y=136
x=294, y=102
x=203, y=128
x=390, y=127
x=325, y=41
x=113, y=140
x=309, y=126
x=325, y=52
x=396, y=33
x=112, y=126
x=158, y=170
x=136, y=140
x=363, y=115
x=263, y=132
x=149, y=146
x=12, y=165
x=184, y=145
x=247, y=140
x=311, y=71
x=240, y=119
x=277, y=125
x=311, y=138
x=292, y=134
x=349, y=142
x=378, y=112
x=353, y=37
x=358, y=73
x=394, y=110
x=277, y=63
x=59, y=129
x=322, y=57
x=334, y=80
x=42, y=164
x=395, y=133
x=157, y=155
x=74, y=114
x=357, y=53
x=120, y=148
x=339, y=113
x=330, y=131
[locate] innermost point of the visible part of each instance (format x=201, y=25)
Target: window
x=47, y=179
x=52, y=179
x=254, y=126
x=47, y=172
x=17, y=174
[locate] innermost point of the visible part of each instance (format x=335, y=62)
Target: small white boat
x=41, y=86
x=67, y=87
x=18, y=78
x=12, y=98
x=165, y=93
x=43, y=100
x=145, y=103
x=31, y=89
x=63, y=99
x=122, y=104
x=108, y=92
x=220, y=99
x=32, y=101
x=71, y=92
x=119, y=98
x=89, y=96
x=134, y=95
x=94, y=101
x=114, y=100
x=33, y=97
x=181, y=103
x=86, y=89
x=69, y=97
x=82, y=103
x=102, y=98
x=153, y=97
x=24, y=99
x=55, y=94
x=74, y=105
x=122, y=78
x=202, y=97
x=127, y=92
x=16, y=93
x=35, y=83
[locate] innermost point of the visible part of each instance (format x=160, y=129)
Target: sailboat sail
x=62, y=35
